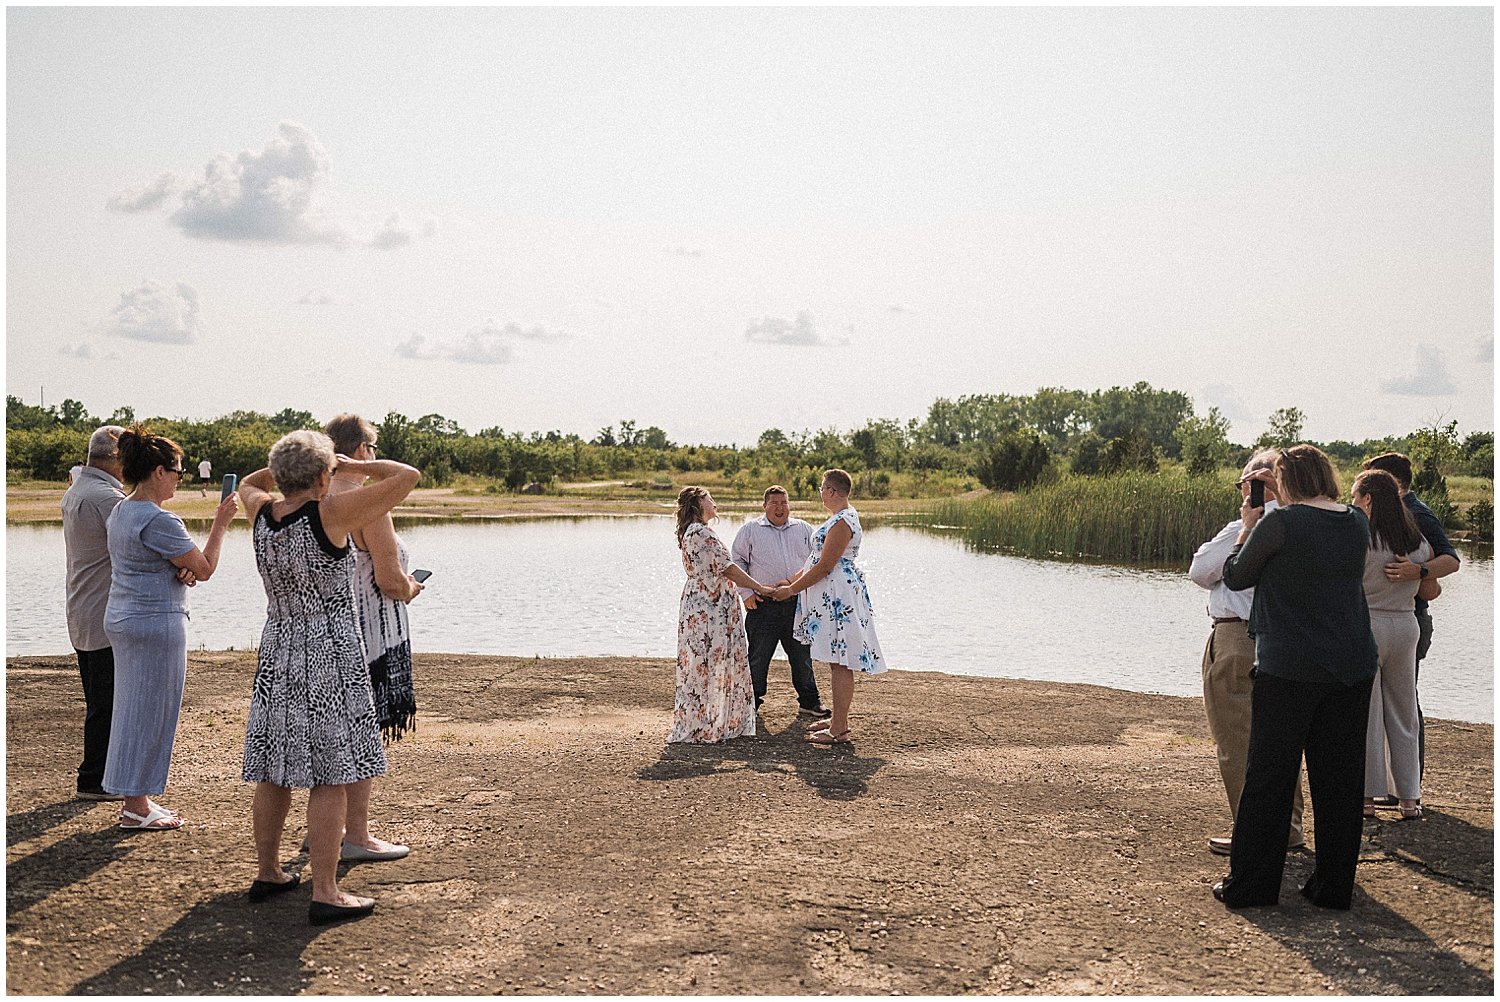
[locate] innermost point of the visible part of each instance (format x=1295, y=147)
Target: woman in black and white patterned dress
x=382, y=589
x=312, y=721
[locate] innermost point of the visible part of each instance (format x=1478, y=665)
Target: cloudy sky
x=719, y=221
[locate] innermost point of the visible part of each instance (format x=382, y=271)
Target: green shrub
x=1481, y=521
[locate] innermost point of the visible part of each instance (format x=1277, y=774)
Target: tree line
x=1003, y=441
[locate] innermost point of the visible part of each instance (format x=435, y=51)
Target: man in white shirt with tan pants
x=1228, y=658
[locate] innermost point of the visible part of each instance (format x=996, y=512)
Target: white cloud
x=148, y=197
x=483, y=347
x=316, y=297
x=492, y=344
x=415, y=347
x=899, y=308
x=85, y=350
x=799, y=332
x=1486, y=352
x=682, y=250
x=391, y=234
x=155, y=312
x=1227, y=399
x=265, y=197
x=1427, y=378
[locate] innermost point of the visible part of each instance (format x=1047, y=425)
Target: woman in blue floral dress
x=834, y=615
x=715, y=696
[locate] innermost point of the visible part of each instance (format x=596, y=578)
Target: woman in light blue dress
x=834, y=614
x=146, y=623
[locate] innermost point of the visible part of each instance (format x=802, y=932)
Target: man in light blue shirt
x=773, y=548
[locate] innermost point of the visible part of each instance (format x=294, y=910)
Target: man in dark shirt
x=1443, y=563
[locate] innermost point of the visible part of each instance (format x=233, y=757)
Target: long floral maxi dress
x=835, y=616
x=715, y=697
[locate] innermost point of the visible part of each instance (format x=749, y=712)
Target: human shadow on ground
x=38, y=875
x=222, y=946
x=1369, y=950
x=835, y=772
x=29, y=824
x=1440, y=845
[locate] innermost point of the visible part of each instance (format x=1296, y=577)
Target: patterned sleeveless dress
x=835, y=616
x=312, y=720
x=387, y=636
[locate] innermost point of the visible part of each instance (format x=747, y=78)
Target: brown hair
x=142, y=452
x=1390, y=523
x=773, y=489
x=1304, y=472
x=1395, y=464
x=349, y=432
x=689, y=509
x=840, y=479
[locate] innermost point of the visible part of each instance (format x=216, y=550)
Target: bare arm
x=202, y=563
x=255, y=491
x=834, y=545
x=390, y=483
x=379, y=538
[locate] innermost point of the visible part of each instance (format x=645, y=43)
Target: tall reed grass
x=1149, y=518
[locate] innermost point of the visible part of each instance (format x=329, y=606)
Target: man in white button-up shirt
x=1228, y=658
x=773, y=548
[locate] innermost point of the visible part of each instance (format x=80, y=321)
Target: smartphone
x=231, y=481
x=1257, y=493
x=421, y=575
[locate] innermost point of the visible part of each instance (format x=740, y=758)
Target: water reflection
x=569, y=586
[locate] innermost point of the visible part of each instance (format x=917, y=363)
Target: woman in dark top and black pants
x=1315, y=658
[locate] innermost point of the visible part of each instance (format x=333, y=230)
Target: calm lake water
x=609, y=586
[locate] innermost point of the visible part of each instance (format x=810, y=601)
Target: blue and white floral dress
x=834, y=615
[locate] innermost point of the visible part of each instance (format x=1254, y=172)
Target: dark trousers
x=769, y=624
x=97, y=670
x=1424, y=644
x=1325, y=720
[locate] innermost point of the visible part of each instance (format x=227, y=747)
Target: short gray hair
x=1265, y=459
x=104, y=445
x=299, y=458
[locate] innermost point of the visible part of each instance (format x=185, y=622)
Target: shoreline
x=36, y=503
x=983, y=835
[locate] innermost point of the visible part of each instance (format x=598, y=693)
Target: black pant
x=97, y=670
x=1324, y=719
x=768, y=624
x=1424, y=644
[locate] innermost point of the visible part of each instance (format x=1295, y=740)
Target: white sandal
x=158, y=820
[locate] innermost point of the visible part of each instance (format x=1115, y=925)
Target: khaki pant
x=1227, y=660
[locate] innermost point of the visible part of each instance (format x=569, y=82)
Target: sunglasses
x=180, y=473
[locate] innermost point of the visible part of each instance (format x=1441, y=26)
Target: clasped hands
x=779, y=592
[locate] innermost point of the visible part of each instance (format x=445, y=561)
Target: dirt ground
x=982, y=836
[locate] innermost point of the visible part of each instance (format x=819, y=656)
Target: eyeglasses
x=180, y=473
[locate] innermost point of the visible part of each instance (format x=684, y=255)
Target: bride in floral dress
x=834, y=615
x=715, y=696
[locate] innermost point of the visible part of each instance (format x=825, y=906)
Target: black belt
x=1226, y=619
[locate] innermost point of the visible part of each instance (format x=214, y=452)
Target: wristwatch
x=1424, y=570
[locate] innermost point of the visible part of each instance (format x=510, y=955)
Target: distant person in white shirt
x=1228, y=659
x=205, y=474
x=773, y=548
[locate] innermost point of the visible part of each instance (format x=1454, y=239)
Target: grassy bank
x=1133, y=517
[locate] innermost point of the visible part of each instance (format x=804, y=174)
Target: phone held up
x=1257, y=493
x=231, y=481
x=421, y=575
